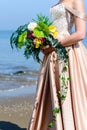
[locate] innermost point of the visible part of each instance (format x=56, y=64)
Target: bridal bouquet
x=34, y=36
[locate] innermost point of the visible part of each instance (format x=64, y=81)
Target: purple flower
x=30, y=35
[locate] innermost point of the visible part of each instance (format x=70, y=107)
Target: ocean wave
x=14, y=89
x=17, y=92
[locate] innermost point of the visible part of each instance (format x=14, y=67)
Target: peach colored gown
x=73, y=115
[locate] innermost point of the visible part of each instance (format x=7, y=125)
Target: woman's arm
x=80, y=27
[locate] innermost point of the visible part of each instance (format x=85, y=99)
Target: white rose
x=31, y=26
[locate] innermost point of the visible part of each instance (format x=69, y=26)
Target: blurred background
x=18, y=76
x=16, y=72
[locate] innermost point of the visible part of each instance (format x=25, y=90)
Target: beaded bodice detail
x=62, y=18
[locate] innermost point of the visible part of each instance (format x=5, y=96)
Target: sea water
x=17, y=74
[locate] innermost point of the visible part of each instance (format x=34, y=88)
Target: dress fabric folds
x=73, y=114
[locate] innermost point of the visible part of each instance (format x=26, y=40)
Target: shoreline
x=15, y=112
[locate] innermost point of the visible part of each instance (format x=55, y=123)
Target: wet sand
x=15, y=112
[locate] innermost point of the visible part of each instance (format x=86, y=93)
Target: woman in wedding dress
x=72, y=114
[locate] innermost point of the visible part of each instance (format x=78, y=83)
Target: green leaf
x=54, y=118
x=38, y=33
x=63, y=97
x=69, y=78
x=44, y=19
x=20, y=45
x=16, y=34
x=41, y=30
x=56, y=110
x=51, y=125
x=44, y=28
x=22, y=37
x=66, y=87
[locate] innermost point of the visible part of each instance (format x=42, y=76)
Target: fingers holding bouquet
x=47, y=50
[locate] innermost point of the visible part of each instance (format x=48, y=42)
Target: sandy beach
x=15, y=112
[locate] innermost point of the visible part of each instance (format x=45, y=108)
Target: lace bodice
x=63, y=18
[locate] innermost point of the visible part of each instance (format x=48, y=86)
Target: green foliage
x=56, y=110
x=61, y=51
x=69, y=78
x=41, y=30
x=22, y=39
x=51, y=125
x=30, y=50
x=15, y=35
x=63, y=80
x=63, y=92
x=38, y=33
x=62, y=95
x=43, y=19
x=44, y=28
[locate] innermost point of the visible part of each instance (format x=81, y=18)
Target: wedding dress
x=73, y=114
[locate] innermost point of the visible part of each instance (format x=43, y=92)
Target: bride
x=68, y=109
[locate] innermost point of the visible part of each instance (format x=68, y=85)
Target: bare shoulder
x=78, y=5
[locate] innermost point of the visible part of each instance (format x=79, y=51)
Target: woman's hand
x=47, y=49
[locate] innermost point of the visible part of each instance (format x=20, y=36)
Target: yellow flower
x=52, y=28
x=55, y=34
x=37, y=42
x=53, y=31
